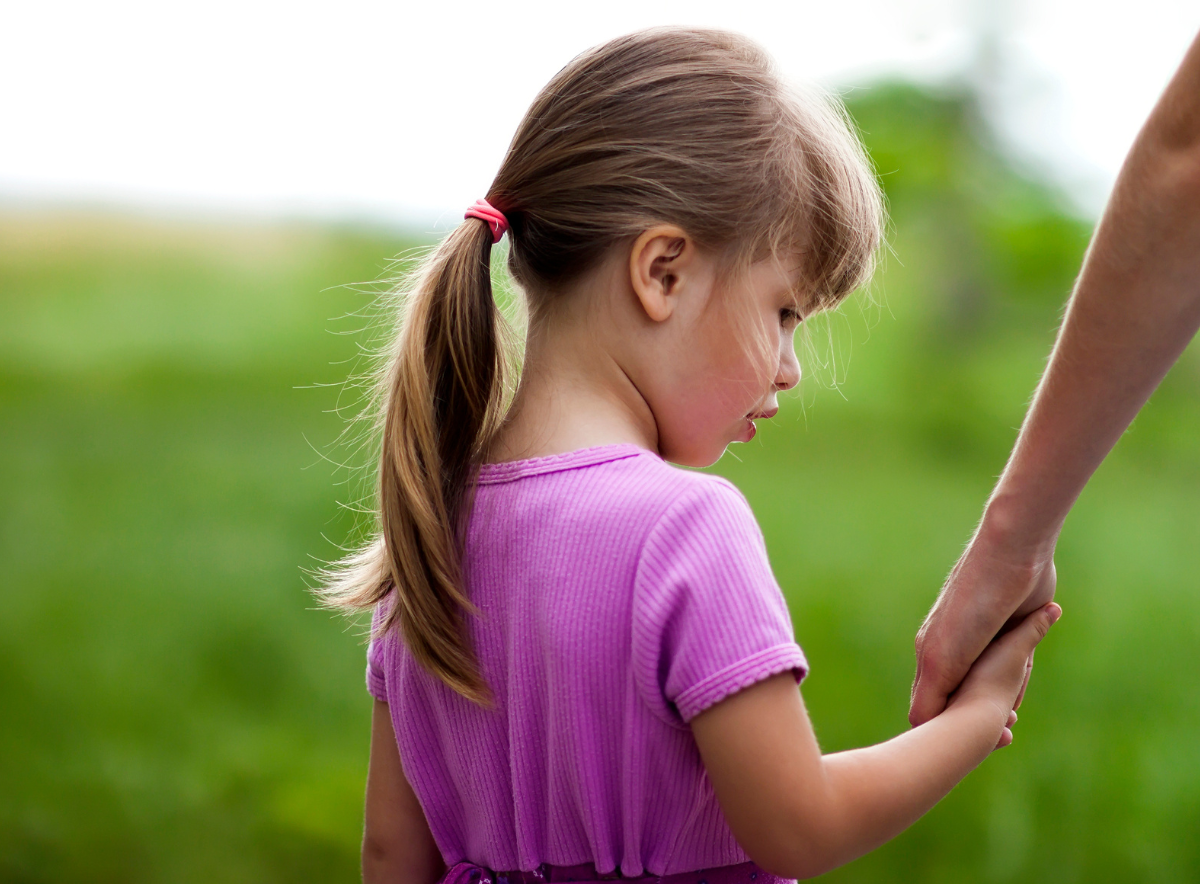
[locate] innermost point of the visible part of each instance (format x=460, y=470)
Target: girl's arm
x=799, y=814
x=397, y=843
x=1136, y=306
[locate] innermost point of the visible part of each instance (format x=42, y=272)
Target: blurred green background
x=174, y=709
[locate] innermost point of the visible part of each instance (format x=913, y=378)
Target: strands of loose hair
x=685, y=126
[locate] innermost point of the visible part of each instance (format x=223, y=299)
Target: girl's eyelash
x=789, y=314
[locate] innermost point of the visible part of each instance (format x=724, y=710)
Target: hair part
x=686, y=126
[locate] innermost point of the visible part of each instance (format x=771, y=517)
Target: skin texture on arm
x=799, y=814
x=1135, y=307
x=397, y=843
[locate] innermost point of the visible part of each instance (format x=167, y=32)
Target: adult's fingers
x=931, y=688
x=937, y=675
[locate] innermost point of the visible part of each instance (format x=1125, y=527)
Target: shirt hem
x=376, y=684
x=741, y=674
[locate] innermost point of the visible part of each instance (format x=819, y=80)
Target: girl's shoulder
x=667, y=502
x=709, y=506
x=612, y=497
x=677, y=487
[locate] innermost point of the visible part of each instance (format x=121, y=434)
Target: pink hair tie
x=494, y=217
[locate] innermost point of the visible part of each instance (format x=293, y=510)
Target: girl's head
x=693, y=357
x=676, y=163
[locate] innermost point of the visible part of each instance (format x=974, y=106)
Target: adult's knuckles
x=926, y=704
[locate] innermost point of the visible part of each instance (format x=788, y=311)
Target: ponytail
x=441, y=404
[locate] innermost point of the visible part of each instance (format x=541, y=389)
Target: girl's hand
x=998, y=677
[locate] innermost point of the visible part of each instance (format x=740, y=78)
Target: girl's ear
x=660, y=262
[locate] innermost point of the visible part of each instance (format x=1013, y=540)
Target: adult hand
x=991, y=589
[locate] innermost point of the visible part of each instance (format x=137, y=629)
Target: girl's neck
x=573, y=394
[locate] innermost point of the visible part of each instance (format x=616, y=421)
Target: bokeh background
x=196, y=216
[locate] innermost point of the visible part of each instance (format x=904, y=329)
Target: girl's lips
x=750, y=430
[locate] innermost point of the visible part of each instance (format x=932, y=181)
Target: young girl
x=583, y=667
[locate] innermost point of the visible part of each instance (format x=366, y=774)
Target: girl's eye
x=788, y=315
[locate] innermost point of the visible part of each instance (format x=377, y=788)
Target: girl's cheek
x=766, y=365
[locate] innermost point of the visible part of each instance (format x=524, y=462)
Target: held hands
x=989, y=591
x=1000, y=674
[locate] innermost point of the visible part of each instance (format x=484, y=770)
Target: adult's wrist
x=1015, y=533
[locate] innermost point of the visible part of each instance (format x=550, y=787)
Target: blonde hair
x=686, y=126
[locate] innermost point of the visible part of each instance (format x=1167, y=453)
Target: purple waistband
x=470, y=873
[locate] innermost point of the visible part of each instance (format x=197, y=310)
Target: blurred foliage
x=175, y=710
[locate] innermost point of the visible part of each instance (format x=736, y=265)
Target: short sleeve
x=377, y=657
x=709, y=617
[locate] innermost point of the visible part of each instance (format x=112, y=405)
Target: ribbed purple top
x=620, y=596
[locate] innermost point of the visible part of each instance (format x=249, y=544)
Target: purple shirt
x=620, y=597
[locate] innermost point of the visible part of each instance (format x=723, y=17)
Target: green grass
x=175, y=710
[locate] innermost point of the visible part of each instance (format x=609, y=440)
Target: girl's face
x=717, y=381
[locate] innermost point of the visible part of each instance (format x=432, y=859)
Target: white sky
x=402, y=112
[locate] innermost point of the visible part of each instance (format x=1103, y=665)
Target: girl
x=582, y=665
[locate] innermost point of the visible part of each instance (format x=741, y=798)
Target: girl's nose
x=789, y=368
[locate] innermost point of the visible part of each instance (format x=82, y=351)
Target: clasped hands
x=1000, y=578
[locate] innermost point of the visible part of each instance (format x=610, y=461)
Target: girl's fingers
x=1006, y=735
x=1024, y=684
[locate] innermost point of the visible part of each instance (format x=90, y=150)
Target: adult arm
x=1135, y=307
x=397, y=843
x=799, y=814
